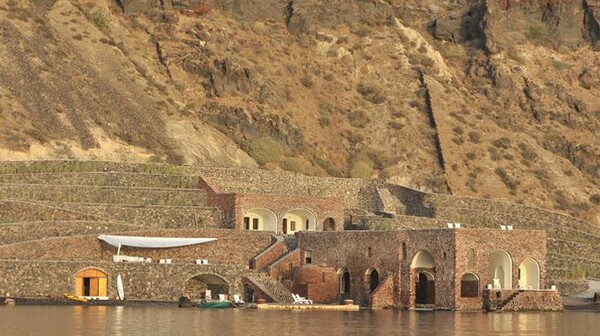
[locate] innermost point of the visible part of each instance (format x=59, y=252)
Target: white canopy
x=152, y=242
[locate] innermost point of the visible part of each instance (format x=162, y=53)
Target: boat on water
x=214, y=304
x=75, y=298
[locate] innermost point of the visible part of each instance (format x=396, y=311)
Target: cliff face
x=493, y=99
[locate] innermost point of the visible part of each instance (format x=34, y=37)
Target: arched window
x=469, y=285
x=344, y=281
x=529, y=274
x=500, y=268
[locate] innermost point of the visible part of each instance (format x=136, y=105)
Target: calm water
x=75, y=320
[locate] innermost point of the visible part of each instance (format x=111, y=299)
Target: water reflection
x=95, y=320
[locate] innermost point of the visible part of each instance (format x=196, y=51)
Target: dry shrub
x=198, y=10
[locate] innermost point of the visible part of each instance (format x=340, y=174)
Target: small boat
x=75, y=298
x=214, y=304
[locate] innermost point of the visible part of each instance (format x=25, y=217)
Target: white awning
x=152, y=242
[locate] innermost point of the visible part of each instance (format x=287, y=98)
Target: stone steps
x=273, y=288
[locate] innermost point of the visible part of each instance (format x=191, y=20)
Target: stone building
x=433, y=268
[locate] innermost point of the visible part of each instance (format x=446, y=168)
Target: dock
x=320, y=307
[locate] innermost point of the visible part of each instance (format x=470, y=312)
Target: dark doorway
x=345, y=282
x=285, y=228
x=329, y=224
x=248, y=293
x=373, y=280
x=86, y=286
x=425, y=289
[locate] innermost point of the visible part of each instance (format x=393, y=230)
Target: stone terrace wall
x=123, y=179
x=398, y=223
x=266, y=257
x=351, y=249
x=355, y=193
x=525, y=301
x=93, y=194
x=141, y=281
x=65, y=166
x=152, y=215
x=26, y=231
x=15, y=211
x=232, y=247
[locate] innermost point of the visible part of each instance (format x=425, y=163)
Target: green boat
x=214, y=304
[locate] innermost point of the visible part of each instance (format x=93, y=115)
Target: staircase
x=271, y=287
x=506, y=301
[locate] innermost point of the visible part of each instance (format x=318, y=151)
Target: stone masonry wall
x=532, y=300
x=231, y=248
x=318, y=283
x=266, y=257
x=141, y=280
x=358, y=251
x=519, y=244
x=383, y=296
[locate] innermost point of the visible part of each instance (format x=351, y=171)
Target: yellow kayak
x=75, y=298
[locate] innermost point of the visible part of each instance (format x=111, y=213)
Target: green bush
x=361, y=168
x=264, y=150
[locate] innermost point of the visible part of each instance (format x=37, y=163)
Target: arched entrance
x=329, y=224
x=529, y=274
x=469, y=285
x=423, y=270
x=248, y=293
x=260, y=220
x=91, y=282
x=298, y=220
x=344, y=281
x=197, y=287
x=500, y=268
x=425, y=288
x=372, y=279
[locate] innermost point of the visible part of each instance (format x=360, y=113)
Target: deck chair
x=300, y=300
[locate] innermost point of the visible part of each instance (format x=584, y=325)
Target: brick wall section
x=141, y=281
x=439, y=243
x=231, y=248
x=351, y=250
x=318, y=283
x=284, y=268
x=519, y=244
x=268, y=256
x=383, y=296
x=533, y=300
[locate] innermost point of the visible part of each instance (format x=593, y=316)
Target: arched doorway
x=529, y=274
x=198, y=287
x=329, y=224
x=500, y=268
x=469, y=285
x=298, y=220
x=372, y=279
x=260, y=220
x=91, y=282
x=423, y=270
x=344, y=281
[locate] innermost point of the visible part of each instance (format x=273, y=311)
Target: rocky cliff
x=493, y=98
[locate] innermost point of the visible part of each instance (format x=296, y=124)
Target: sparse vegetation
x=264, y=150
x=371, y=93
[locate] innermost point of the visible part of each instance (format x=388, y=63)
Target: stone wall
x=231, y=248
x=26, y=231
x=141, y=281
x=357, y=251
x=318, y=283
x=354, y=193
x=268, y=256
x=66, y=166
x=123, y=179
x=12, y=211
x=529, y=300
x=399, y=222
x=95, y=194
x=383, y=296
x=283, y=269
x=518, y=244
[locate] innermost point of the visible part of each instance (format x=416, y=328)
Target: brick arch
x=298, y=219
x=261, y=219
x=196, y=286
